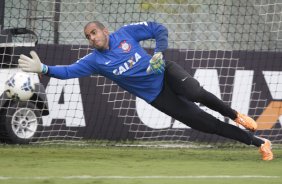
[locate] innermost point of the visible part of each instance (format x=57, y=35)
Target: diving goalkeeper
x=163, y=84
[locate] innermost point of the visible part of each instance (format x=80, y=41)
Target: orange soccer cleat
x=265, y=150
x=246, y=122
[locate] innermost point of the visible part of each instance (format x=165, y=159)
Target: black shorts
x=178, y=95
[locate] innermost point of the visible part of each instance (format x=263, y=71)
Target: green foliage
x=168, y=6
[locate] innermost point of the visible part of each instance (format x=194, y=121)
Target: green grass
x=53, y=163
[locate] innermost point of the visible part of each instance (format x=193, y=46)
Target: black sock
x=257, y=141
x=230, y=131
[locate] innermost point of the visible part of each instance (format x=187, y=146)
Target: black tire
x=21, y=124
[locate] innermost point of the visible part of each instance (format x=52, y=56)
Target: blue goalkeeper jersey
x=125, y=62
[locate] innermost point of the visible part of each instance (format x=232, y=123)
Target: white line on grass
x=136, y=177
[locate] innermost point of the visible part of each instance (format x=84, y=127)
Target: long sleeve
x=82, y=68
x=149, y=30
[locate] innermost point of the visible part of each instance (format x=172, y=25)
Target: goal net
x=233, y=47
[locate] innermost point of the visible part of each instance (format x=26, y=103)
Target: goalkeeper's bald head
x=99, y=24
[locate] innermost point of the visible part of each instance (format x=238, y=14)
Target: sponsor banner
x=249, y=81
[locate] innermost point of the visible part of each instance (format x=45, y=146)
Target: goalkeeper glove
x=157, y=64
x=32, y=64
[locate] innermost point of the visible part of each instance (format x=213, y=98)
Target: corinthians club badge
x=125, y=46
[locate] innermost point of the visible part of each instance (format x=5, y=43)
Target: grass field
x=132, y=165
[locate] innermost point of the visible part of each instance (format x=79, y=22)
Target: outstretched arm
x=79, y=69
